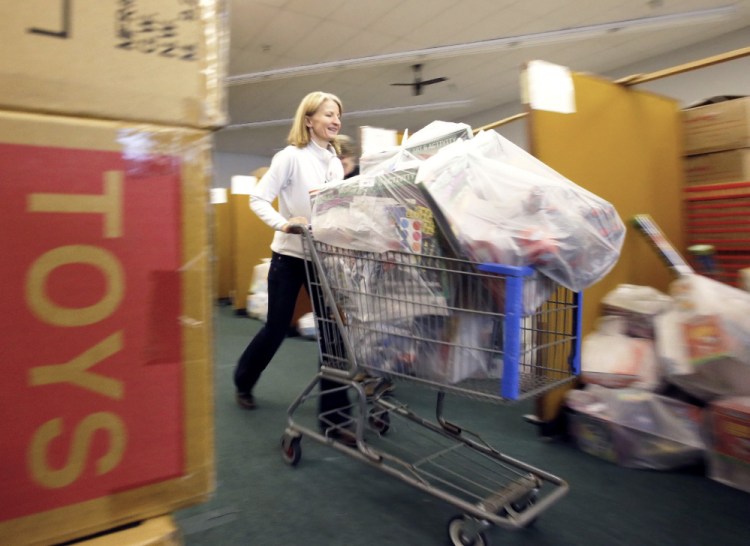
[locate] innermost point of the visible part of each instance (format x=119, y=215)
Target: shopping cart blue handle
x=508, y=270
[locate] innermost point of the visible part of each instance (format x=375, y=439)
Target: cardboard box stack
x=717, y=175
x=106, y=115
x=158, y=531
x=729, y=455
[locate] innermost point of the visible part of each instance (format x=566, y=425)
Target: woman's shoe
x=342, y=435
x=245, y=400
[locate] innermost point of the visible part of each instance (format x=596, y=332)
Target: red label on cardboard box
x=91, y=384
x=731, y=428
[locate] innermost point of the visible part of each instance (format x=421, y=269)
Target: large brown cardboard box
x=158, y=61
x=727, y=166
x=250, y=237
x=221, y=244
x=159, y=531
x=719, y=126
x=106, y=389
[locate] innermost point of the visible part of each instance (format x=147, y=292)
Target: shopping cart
x=485, y=331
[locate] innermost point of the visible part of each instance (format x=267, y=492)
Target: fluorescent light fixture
x=360, y=113
x=242, y=185
x=485, y=46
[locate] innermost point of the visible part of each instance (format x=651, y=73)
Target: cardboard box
x=717, y=214
x=727, y=166
x=161, y=61
x=106, y=387
x=653, y=432
x=729, y=455
x=715, y=127
x=159, y=531
x=631, y=447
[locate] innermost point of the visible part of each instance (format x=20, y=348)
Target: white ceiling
x=266, y=35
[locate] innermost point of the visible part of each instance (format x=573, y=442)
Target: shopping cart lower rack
x=485, y=331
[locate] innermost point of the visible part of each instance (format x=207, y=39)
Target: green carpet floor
x=331, y=499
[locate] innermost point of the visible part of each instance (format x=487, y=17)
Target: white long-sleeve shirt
x=293, y=173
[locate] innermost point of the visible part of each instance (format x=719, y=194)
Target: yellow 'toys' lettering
x=108, y=204
x=55, y=478
x=78, y=370
x=48, y=311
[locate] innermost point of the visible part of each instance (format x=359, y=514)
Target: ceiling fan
x=418, y=84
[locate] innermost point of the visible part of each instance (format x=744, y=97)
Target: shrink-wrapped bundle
x=505, y=206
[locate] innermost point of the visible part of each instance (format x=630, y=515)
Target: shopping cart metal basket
x=486, y=331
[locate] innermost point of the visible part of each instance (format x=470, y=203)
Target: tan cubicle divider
x=222, y=245
x=250, y=242
x=625, y=146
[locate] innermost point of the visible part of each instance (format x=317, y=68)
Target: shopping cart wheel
x=291, y=450
x=525, y=503
x=461, y=534
x=379, y=420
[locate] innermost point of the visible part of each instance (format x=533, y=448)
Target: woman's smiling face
x=325, y=123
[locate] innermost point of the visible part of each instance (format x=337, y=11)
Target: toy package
x=365, y=284
x=376, y=213
x=429, y=140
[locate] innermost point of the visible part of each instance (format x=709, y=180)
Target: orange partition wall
x=222, y=251
x=250, y=243
x=624, y=145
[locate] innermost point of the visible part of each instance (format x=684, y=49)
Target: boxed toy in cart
x=376, y=213
x=432, y=138
x=423, y=144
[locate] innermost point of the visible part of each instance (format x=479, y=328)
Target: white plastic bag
x=473, y=354
x=704, y=342
x=612, y=359
x=259, y=280
x=638, y=305
x=404, y=347
x=506, y=206
x=360, y=286
x=257, y=306
x=257, y=297
x=306, y=326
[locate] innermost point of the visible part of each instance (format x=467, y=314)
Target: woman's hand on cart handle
x=298, y=224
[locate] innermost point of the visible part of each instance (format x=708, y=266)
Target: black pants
x=286, y=275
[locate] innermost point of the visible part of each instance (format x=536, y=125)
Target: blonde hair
x=299, y=135
x=345, y=146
